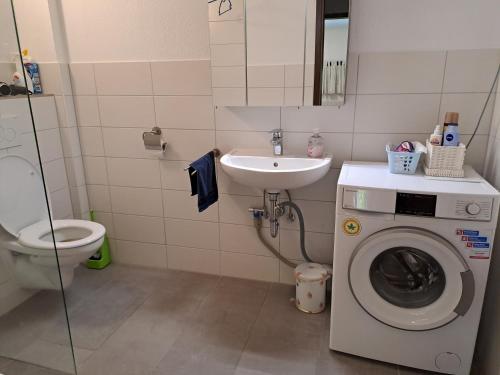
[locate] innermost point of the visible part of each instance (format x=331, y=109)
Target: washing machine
x=410, y=267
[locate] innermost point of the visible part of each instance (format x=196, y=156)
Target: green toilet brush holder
x=102, y=258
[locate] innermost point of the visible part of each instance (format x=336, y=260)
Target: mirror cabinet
x=279, y=52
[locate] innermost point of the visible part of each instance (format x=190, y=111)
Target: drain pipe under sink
x=259, y=213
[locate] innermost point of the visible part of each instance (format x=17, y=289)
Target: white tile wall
x=67, y=106
x=132, y=78
x=48, y=134
x=390, y=113
x=228, y=76
x=127, y=111
x=401, y=72
x=136, y=201
x=229, y=32
x=82, y=79
x=470, y=70
x=181, y=78
x=191, y=233
x=228, y=55
x=140, y=253
x=176, y=112
x=145, y=201
x=195, y=260
x=87, y=110
x=133, y=172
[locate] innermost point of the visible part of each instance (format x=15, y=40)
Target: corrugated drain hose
x=302, y=229
x=257, y=221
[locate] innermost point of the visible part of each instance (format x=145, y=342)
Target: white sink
x=260, y=169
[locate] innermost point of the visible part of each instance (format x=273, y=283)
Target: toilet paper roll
x=157, y=150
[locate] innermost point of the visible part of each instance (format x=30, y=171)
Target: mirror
x=275, y=43
x=329, y=33
x=279, y=52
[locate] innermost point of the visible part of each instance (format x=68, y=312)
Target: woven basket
x=445, y=161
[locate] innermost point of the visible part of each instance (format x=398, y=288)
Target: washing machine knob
x=472, y=209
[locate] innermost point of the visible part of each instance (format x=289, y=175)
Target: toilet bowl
x=40, y=259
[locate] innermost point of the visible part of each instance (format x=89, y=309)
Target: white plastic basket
x=402, y=162
x=445, y=161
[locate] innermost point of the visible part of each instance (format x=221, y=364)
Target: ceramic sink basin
x=262, y=170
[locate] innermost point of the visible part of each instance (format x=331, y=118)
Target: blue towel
x=204, y=181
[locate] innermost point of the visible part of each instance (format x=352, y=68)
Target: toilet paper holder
x=153, y=140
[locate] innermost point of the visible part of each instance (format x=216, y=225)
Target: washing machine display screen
x=407, y=277
x=416, y=204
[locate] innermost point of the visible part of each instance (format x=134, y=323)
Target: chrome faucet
x=277, y=142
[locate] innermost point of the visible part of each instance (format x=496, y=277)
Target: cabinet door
x=275, y=32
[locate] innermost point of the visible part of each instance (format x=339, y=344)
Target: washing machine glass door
x=410, y=279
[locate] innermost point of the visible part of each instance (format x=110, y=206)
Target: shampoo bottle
x=316, y=145
x=33, y=73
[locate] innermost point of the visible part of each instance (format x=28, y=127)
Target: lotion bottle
x=436, y=138
x=451, y=135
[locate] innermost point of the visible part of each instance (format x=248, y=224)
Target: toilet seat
x=69, y=234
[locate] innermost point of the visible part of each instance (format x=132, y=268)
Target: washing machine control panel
x=464, y=207
x=445, y=206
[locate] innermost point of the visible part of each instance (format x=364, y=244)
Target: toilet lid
x=22, y=197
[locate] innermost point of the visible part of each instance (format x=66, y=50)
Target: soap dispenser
x=316, y=145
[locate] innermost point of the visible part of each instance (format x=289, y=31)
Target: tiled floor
x=131, y=321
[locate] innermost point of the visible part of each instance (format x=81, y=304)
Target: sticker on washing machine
x=474, y=239
x=352, y=226
x=467, y=232
x=479, y=250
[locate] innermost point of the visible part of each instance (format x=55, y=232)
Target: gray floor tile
x=245, y=371
x=276, y=356
x=343, y=364
x=21, y=368
x=4, y=362
x=50, y=355
x=101, y=314
x=279, y=313
x=201, y=350
x=195, y=284
x=139, y=344
x=137, y=321
x=213, y=341
x=85, y=283
x=412, y=371
x=27, y=322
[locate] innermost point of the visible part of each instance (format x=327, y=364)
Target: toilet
x=26, y=241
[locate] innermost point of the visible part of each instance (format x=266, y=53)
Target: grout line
x=442, y=86
x=121, y=95
x=254, y=323
x=162, y=197
x=289, y=229
x=355, y=107
x=106, y=167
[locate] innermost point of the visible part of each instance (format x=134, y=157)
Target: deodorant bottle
x=451, y=135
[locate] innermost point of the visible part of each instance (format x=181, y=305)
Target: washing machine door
x=411, y=279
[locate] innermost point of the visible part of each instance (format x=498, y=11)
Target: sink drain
x=275, y=164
